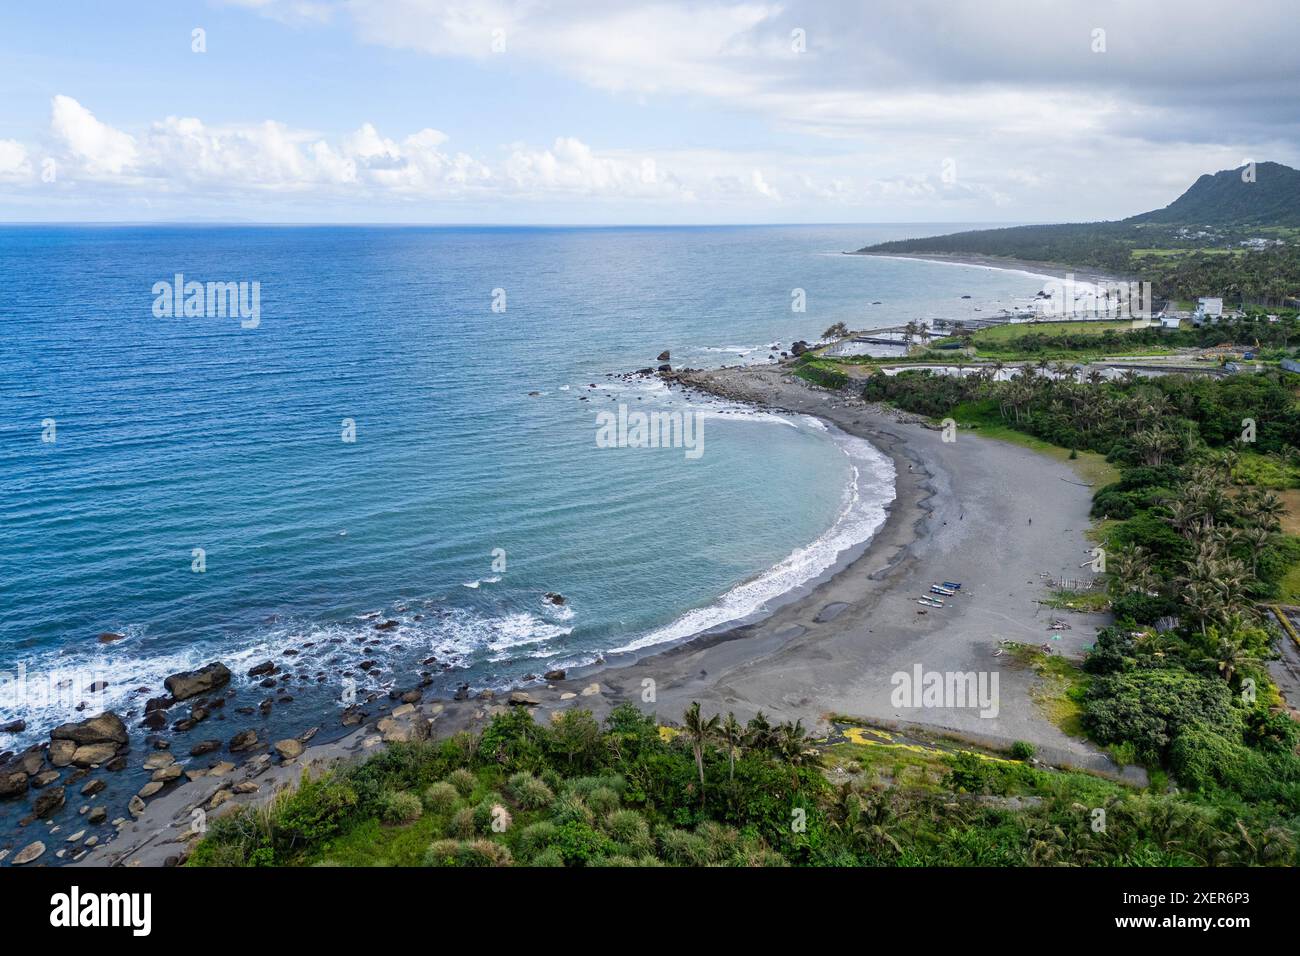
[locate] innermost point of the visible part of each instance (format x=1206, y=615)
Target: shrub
x=490, y=814
x=441, y=797
x=579, y=844
x=484, y=853
x=442, y=853
x=551, y=857
x=583, y=786
x=316, y=811
x=1151, y=707
x=536, y=837
x=683, y=848
x=721, y=841
x=968, y=774
x=602, y=800
x=1023, y=750
x=463, y=781
x=529, y=792
x=467, y=853
x=399, y=807
x=461, y=824
x=628, y=828
x=571, y=808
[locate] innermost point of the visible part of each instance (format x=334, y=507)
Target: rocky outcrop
x=521, y=699
x=107, y=728
x=61, y=752
x=244, y=740
x=13, y=783
x=798, y=348
x=557, y=674
x=288, y=749
x=664, y=356
x=205, y=747
x=92, y=755
x=192, y=683
x=48, y=802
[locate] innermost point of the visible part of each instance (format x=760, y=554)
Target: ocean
x=406, y=431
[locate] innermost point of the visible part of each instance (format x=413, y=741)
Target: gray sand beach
x=994, y=516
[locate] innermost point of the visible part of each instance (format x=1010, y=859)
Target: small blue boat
x=955, y=585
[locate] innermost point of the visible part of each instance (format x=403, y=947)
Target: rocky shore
x=961, y=513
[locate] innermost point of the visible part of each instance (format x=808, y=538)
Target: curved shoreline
x=828, y=652
x=1030, y=267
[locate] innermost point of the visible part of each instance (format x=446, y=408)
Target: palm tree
x=700, y=731
x=731, y=734
x=794, y=745
x=1257, y=539
x=1130, y=570
x=758, y=733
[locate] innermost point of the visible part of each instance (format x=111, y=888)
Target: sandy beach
x=1052, y=270
x=995, y=516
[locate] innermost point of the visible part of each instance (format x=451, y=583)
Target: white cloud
x=14, y=163
x=99, y=147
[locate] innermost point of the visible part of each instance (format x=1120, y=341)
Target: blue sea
x=474, y=486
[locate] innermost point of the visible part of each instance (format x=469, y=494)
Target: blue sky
x=678, y=111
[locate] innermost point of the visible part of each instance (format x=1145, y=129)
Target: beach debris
x=189, y=684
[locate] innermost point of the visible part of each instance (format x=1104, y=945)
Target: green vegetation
x=820, y=372
x=1194, y=548
x=1172, y=248
x=623, y=794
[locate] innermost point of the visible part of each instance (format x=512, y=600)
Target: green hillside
x=1223, y=236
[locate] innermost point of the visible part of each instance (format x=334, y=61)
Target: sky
x=613, y=112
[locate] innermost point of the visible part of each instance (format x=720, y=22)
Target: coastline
x=827, y=652
x=1031, y=267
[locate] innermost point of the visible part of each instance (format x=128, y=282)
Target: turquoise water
x=174, y=434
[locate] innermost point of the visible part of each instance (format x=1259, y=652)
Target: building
x=1207, y=309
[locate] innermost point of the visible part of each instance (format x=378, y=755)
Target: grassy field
x=1002, y=333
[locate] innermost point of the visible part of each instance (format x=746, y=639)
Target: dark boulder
x=192, y=683
x=48, y=802
x=106, y=728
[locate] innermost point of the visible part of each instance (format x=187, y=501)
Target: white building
x=1210, y=309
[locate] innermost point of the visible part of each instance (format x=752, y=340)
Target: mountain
x=1228, y=199
x=1226, y=235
